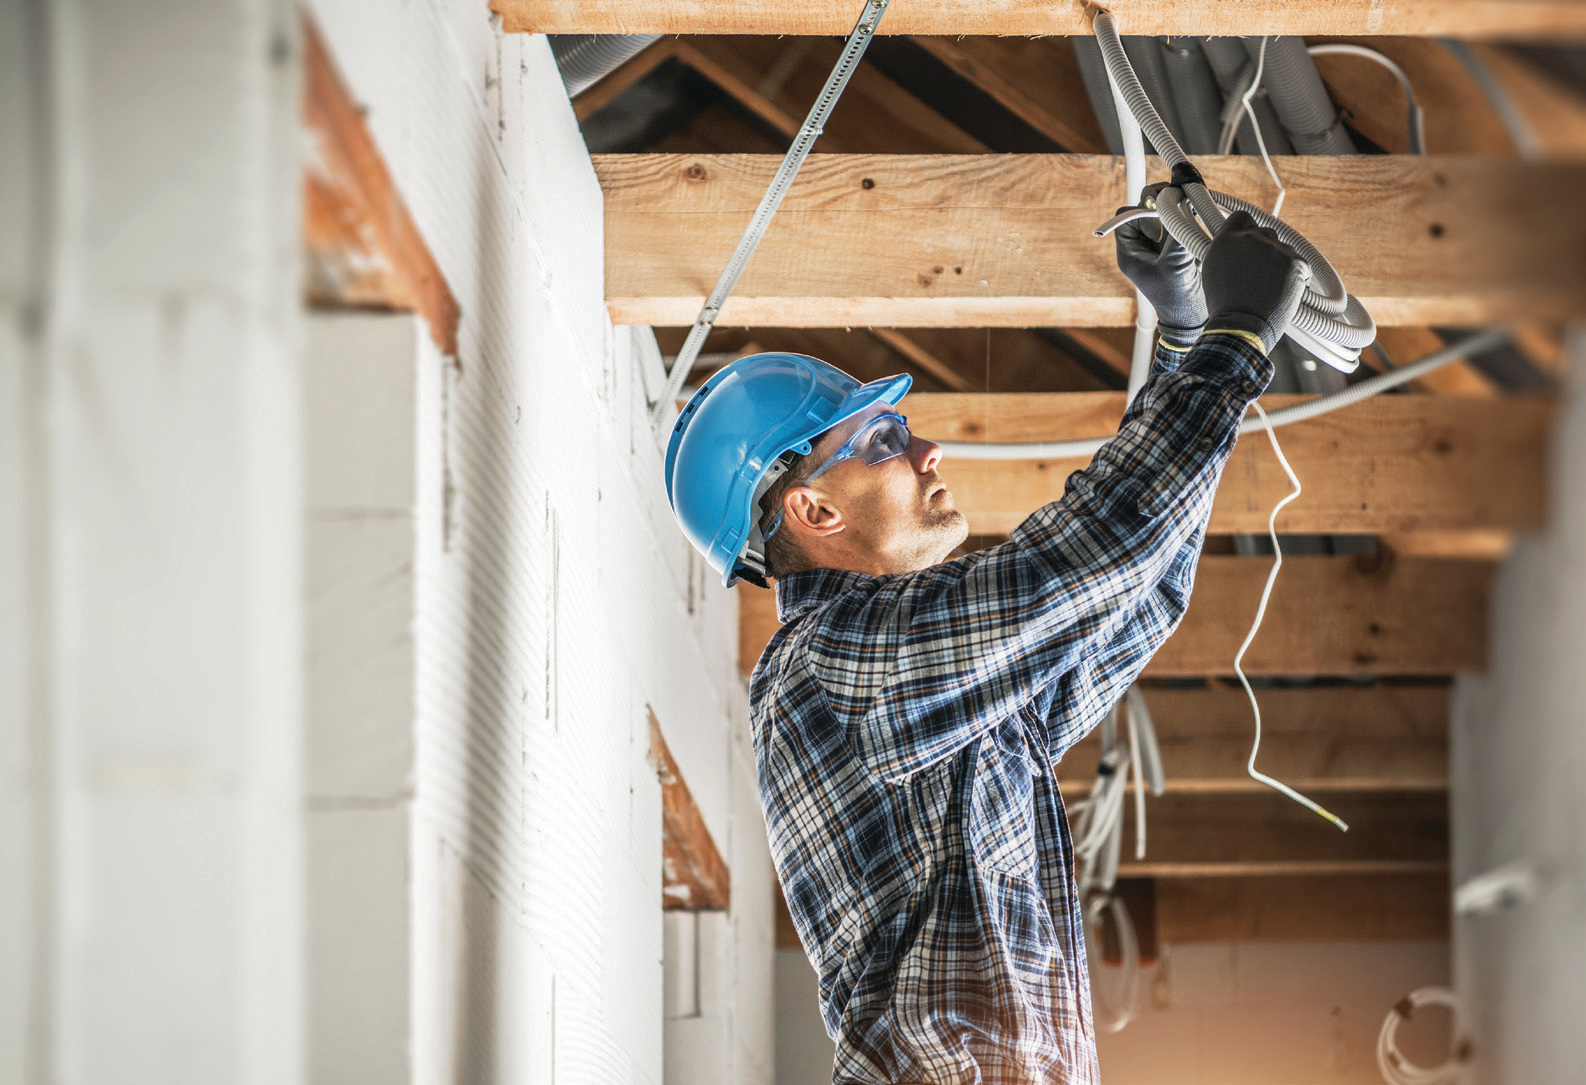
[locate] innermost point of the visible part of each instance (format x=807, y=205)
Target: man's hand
x=1254, y=282
x=1166, y=274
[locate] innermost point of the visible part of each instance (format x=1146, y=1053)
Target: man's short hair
x=783, y=554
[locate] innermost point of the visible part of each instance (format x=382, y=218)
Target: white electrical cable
x=1110, y=1014
x=1398, y=1070
x=1261, y=63
x=1416, y=121
x=1261, y=612
x=1133, y=184
x=1139, y=790
x=1299, y=412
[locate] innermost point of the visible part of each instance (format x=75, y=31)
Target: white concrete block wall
x=556, y=603
x=1518, y=758
x=149, y=741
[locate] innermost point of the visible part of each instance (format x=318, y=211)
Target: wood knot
x=695, y=172
x=867, y=184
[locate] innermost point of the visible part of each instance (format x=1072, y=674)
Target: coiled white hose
x=1398, y=1070
x=1331, y=323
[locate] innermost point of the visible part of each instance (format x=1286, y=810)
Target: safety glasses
x=884, y=437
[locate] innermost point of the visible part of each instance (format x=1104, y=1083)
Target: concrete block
x=19, y=214
x=804, y=1053
x=360, y=393
x=697, y=1051
x=361, y=716
x=171, y=117
x=359, y=945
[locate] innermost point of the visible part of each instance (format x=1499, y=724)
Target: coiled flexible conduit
x=1331, y=323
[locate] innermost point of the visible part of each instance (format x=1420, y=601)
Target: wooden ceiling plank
x=1460, y=18
x=1035, y=79
x=1287, y=909
x=1004, y=240
x=1329, y=738
x=1402, y=464
x=1327, y=616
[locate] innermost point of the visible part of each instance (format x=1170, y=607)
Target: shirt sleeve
x=919, y=665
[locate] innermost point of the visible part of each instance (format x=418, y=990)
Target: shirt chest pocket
x=1001, y=827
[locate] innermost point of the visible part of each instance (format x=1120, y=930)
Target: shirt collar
x=799, y=593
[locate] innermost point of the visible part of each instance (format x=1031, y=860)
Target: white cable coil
x=1398, y=1070
x=1331, y=322
x=1299, y=412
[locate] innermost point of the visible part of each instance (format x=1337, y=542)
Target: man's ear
x=810, y=513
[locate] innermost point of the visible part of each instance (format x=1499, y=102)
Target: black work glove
x=1254, y=282
x=1165, y=272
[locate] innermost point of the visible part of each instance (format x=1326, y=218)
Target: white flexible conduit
x=808, y=133
x=1133, y=182
x=1299, y=412
x=1331, y=322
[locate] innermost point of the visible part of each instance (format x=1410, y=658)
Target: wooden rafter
x=1321, y=739
x=1005, y=239
x=1035, y=79
x=1464, y=18
x=1327, y=616
x=363, y=248
x=1389, y=464
x=1289, y=909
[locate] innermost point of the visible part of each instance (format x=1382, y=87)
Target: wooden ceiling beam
x=1318, y=739
x=1005, y=240
x=635, y=68
x=1403, y=464
x=1460, y=18
x=1309, y=909
x=1327, y=616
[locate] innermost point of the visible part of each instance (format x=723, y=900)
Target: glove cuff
x=1177, y=337
x=1249, y=323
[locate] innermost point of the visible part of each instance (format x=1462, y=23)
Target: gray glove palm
x=1165, y=272
x=1253, y=281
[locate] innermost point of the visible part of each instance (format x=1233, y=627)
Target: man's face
x=894, y=517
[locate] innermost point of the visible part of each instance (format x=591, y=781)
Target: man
x=908, y=713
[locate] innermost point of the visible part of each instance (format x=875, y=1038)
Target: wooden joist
x=1464, y=18
x=1389, y=464
x=1265, y=834
x=1320, y=739
x=363, y=249
x=694, y=878
x=1005, y=240
x=1357, y=907
x=1327, y=616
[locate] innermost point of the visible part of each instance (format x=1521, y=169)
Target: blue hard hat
x=725, y=446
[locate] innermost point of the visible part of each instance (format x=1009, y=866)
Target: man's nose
x=926, y=455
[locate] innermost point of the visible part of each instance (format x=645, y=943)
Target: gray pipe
x=1194, y=91
x=1093, y=70
x=1301, y=101
x=1145, y=55
x=586, y=59
x=1227, y=58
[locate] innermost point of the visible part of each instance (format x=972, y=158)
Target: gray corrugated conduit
x=586, y=59
x=1301, y=101
x=1229, y=62
x=1331, y=323
x=1194, y=90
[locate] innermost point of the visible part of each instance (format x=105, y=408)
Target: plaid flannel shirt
x=905, y=729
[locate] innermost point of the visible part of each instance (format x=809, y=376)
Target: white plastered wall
x=554, y=605
x=1519, y=759
x=150, y=890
